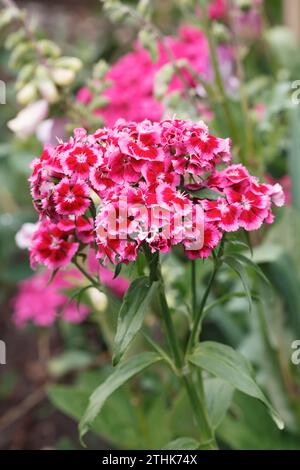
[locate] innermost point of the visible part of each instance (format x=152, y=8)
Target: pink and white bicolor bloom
x=147, y=179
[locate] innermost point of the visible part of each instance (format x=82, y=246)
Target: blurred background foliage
x=67, y=356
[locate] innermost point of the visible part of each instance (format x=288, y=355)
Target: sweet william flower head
x=148, y=179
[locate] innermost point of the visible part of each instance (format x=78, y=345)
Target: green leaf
x=294, y=156
x=68, y=362
x=249, y=427
x=239, y=269
x=121, y=375
x=248, y=262
x=229, y=365
x=117, y=422
x=182, y=443
x=218, y=396
x=118, y=270
x=135, y=304
x=206, y=193
x=248, y=241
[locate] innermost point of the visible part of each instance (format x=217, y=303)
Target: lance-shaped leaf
x=119, y=377
x=248, y=262
x=227, y=364
x=131, y=315
x=239, y=269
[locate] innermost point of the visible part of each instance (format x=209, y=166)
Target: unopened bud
x=99, y=299
x=72, y=63
x=27, y=94
x=48, y=48
x=162, y=80
x=48, y=91
x=63, y=77
x=100, y=69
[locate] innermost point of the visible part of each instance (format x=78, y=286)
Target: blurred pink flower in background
x=217, y=9
x=118, y=286
x=42, y=302
x=131, y=95
x=286, y=183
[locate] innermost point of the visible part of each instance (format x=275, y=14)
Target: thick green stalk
x=198, y=317
x=196, y=401
x=172, y=338
x=194, y=288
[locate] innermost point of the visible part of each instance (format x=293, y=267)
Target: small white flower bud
x=27, y=94
x=63, y=77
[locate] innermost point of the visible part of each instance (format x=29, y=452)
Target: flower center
x=246, y=203
x=81, y=158
x=70, y=197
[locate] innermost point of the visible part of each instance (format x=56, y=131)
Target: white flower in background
x=24, y=235
x=50, y=129
x=27, y=120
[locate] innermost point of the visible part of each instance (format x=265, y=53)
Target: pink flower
x=71, y=198
x=42, y=302
x=118, y=286
x=236, y=174
x=217, y=9
x=285, y=184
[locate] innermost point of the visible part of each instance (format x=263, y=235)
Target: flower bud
x=99, y=102
x=72, y=63
x=100, y=69
x=99, y=299
x=27, y=94
x=220, y=32
x=25, y=75
x=48, y=90
x=63, y=77
x=48, y=48
x=162, y=80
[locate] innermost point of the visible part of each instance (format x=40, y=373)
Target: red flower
x=51, y=247
x=80, y=227
x=222, y=212
x=71, y=198
x=79, y=160
x=212, y=236
x=253, y=208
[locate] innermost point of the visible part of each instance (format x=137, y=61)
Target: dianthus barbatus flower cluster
x=155, y=184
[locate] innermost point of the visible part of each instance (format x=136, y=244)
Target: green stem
x=172, y=338
x=207, y=436
x=199, y=315
x=198, y=318
x=194, y=290
x=92, y=280
x=196, y=401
